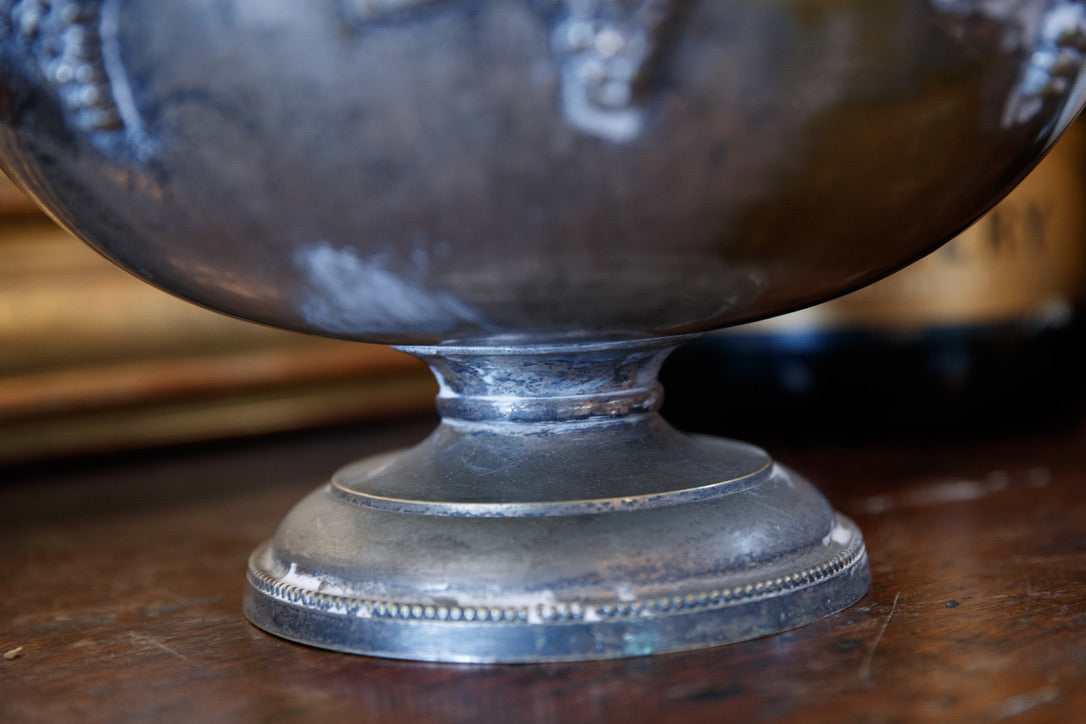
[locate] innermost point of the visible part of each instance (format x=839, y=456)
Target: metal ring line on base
x=341, y=489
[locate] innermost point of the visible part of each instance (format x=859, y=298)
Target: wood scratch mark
x=159, y=645
x=940, y=493
x=865, y=668
x=1021, y=704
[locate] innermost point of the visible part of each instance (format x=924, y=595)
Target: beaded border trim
x=556, y=613
x=72, y=44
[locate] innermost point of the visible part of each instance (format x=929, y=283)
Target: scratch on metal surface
x=865, y=668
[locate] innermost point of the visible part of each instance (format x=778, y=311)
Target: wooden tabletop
x=120, y=598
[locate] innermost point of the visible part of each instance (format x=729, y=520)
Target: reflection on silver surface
x=541, y=198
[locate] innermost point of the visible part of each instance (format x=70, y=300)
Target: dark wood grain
x=120, y=599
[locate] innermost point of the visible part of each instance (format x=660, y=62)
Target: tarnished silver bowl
x=541, y=198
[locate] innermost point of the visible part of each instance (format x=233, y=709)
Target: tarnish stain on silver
x=364, y=11
x=1054, y=34
x=1056, y=65
x=607, y=50
x=346, y=292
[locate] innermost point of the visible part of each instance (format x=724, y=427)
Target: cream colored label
x=1026, y=257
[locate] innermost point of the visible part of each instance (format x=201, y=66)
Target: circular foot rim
x=736, y=607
